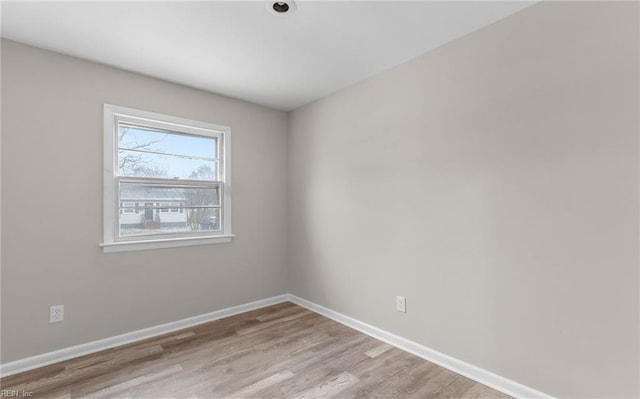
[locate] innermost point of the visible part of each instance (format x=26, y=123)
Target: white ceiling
x=239, y=49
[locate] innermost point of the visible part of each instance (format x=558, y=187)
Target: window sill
x=125, y=246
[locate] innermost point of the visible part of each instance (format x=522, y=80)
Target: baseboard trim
x=478, y=374
x=46, y=359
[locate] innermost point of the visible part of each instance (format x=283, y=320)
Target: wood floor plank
x=378, y=350
x=262, y=384
x=133, y=383
x=383, y=373
x=330, y=388
x=281, y=351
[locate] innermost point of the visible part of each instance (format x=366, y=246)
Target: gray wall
x=52, y=208
x=494, y=183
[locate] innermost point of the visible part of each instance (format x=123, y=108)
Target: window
x=166, y=181
x=128, y=207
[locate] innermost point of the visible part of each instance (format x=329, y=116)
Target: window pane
x=186, y=220
x=142, y=164
x=167, y=209
x=132, y=137
x=203, y=219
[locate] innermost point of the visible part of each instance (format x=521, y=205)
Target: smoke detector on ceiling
x=282, y=7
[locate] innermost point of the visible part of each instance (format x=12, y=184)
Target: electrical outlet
x=56, y=313
x=401, y=304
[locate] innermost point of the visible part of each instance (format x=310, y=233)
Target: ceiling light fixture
x=281, y=7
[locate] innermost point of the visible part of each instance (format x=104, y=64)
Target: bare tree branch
x=132, y=164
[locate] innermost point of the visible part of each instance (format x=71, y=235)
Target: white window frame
x=114, y=114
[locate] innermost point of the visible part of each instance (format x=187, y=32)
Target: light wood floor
x=282, y=351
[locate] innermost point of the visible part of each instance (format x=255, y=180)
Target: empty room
x=320, y=199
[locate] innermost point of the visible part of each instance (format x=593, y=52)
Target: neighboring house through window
x=167, y=181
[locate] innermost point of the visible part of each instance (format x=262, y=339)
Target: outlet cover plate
x=401, y=304
x=56, y=313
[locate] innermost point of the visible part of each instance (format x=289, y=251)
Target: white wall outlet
x=56, y=313
x=401, y=304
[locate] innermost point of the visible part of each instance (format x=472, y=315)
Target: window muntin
x=168, y=178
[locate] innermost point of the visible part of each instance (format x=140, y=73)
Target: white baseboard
x=45, y=359
x=482, y=376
